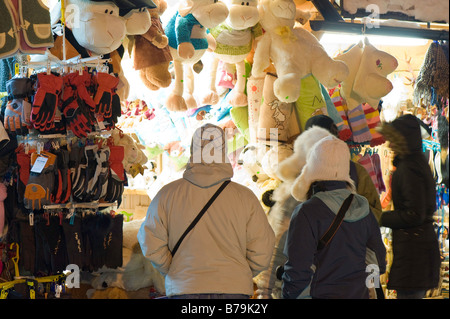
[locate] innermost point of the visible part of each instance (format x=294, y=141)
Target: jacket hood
x=405, y=134
x=359, y=208
x=209, y=163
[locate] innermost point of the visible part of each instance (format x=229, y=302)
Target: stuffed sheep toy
x=188, y=42
x=234, y=40
x=295, y=52
x=366, y=83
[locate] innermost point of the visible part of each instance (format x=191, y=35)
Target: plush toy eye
x=242, y=3
x=248, y=3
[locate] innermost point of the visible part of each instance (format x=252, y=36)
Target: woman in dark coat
x=416, y=264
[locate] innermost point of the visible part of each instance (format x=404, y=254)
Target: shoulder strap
x=329, y=234
x=202, y=212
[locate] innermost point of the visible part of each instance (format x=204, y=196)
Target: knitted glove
x=101, y=172
x=116, y=179
x=27, y=260
x=106, y=84
x=74, y=106
x=63, y=185
x=24, y=162
x=40, y=185
x=19, y=89
x=91, y=178
x=46, y=101
x=114, y=242
x=78, y=172
x=116, y=110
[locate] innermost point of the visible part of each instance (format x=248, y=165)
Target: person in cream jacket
x=231, y=243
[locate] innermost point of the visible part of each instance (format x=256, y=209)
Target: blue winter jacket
x=339, y=269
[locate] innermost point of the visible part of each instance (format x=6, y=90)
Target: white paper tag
x=39, y=164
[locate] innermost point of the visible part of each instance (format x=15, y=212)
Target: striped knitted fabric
x=366, y=162
x=344, y=129
x=376, y=163
x=373, y=120
x=358, y=125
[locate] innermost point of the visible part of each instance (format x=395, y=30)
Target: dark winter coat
x=416, y=263
x=337, y=271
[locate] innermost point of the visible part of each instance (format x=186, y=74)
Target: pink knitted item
x=3, y=194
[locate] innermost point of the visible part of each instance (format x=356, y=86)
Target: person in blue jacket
x=339, y=270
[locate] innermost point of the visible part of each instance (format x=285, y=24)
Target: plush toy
x=366, y=83
x=188, y=42
x=274, y=156
x=98, y=27
x=277, y=119
x=311, y=101
x=151, y=55
x=250, y=158
x=295, y=52
x=134, y=157
x=234, y=40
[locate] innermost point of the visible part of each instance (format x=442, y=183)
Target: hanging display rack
x=334, y=22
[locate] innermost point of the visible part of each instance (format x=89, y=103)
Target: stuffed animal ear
x=185, y=7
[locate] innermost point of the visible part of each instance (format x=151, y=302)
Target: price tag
x=39, y=164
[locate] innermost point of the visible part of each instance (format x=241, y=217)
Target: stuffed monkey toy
x=234, y=40
x=98, y=27
x=188, y=42
x=151, y=55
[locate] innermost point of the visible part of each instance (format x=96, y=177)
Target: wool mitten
x=40, y=185
x=19, y=91
x=45, y=101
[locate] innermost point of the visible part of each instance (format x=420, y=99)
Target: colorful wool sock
x=358, y=125
x=366, y=162
x=373, y=120
x=331, y=109
x=376, y=163
x=345, y=132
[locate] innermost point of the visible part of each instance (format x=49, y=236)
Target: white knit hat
x=328, y=160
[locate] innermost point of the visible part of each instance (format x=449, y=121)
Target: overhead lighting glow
x=348, y=39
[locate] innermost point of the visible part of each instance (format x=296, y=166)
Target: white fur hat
x=290, y=168
x=328, y=160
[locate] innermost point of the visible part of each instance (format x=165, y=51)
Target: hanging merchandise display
x=100, y=99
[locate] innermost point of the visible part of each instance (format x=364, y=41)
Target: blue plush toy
x=188, y=41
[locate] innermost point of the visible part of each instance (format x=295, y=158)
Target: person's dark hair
x=322, y=121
